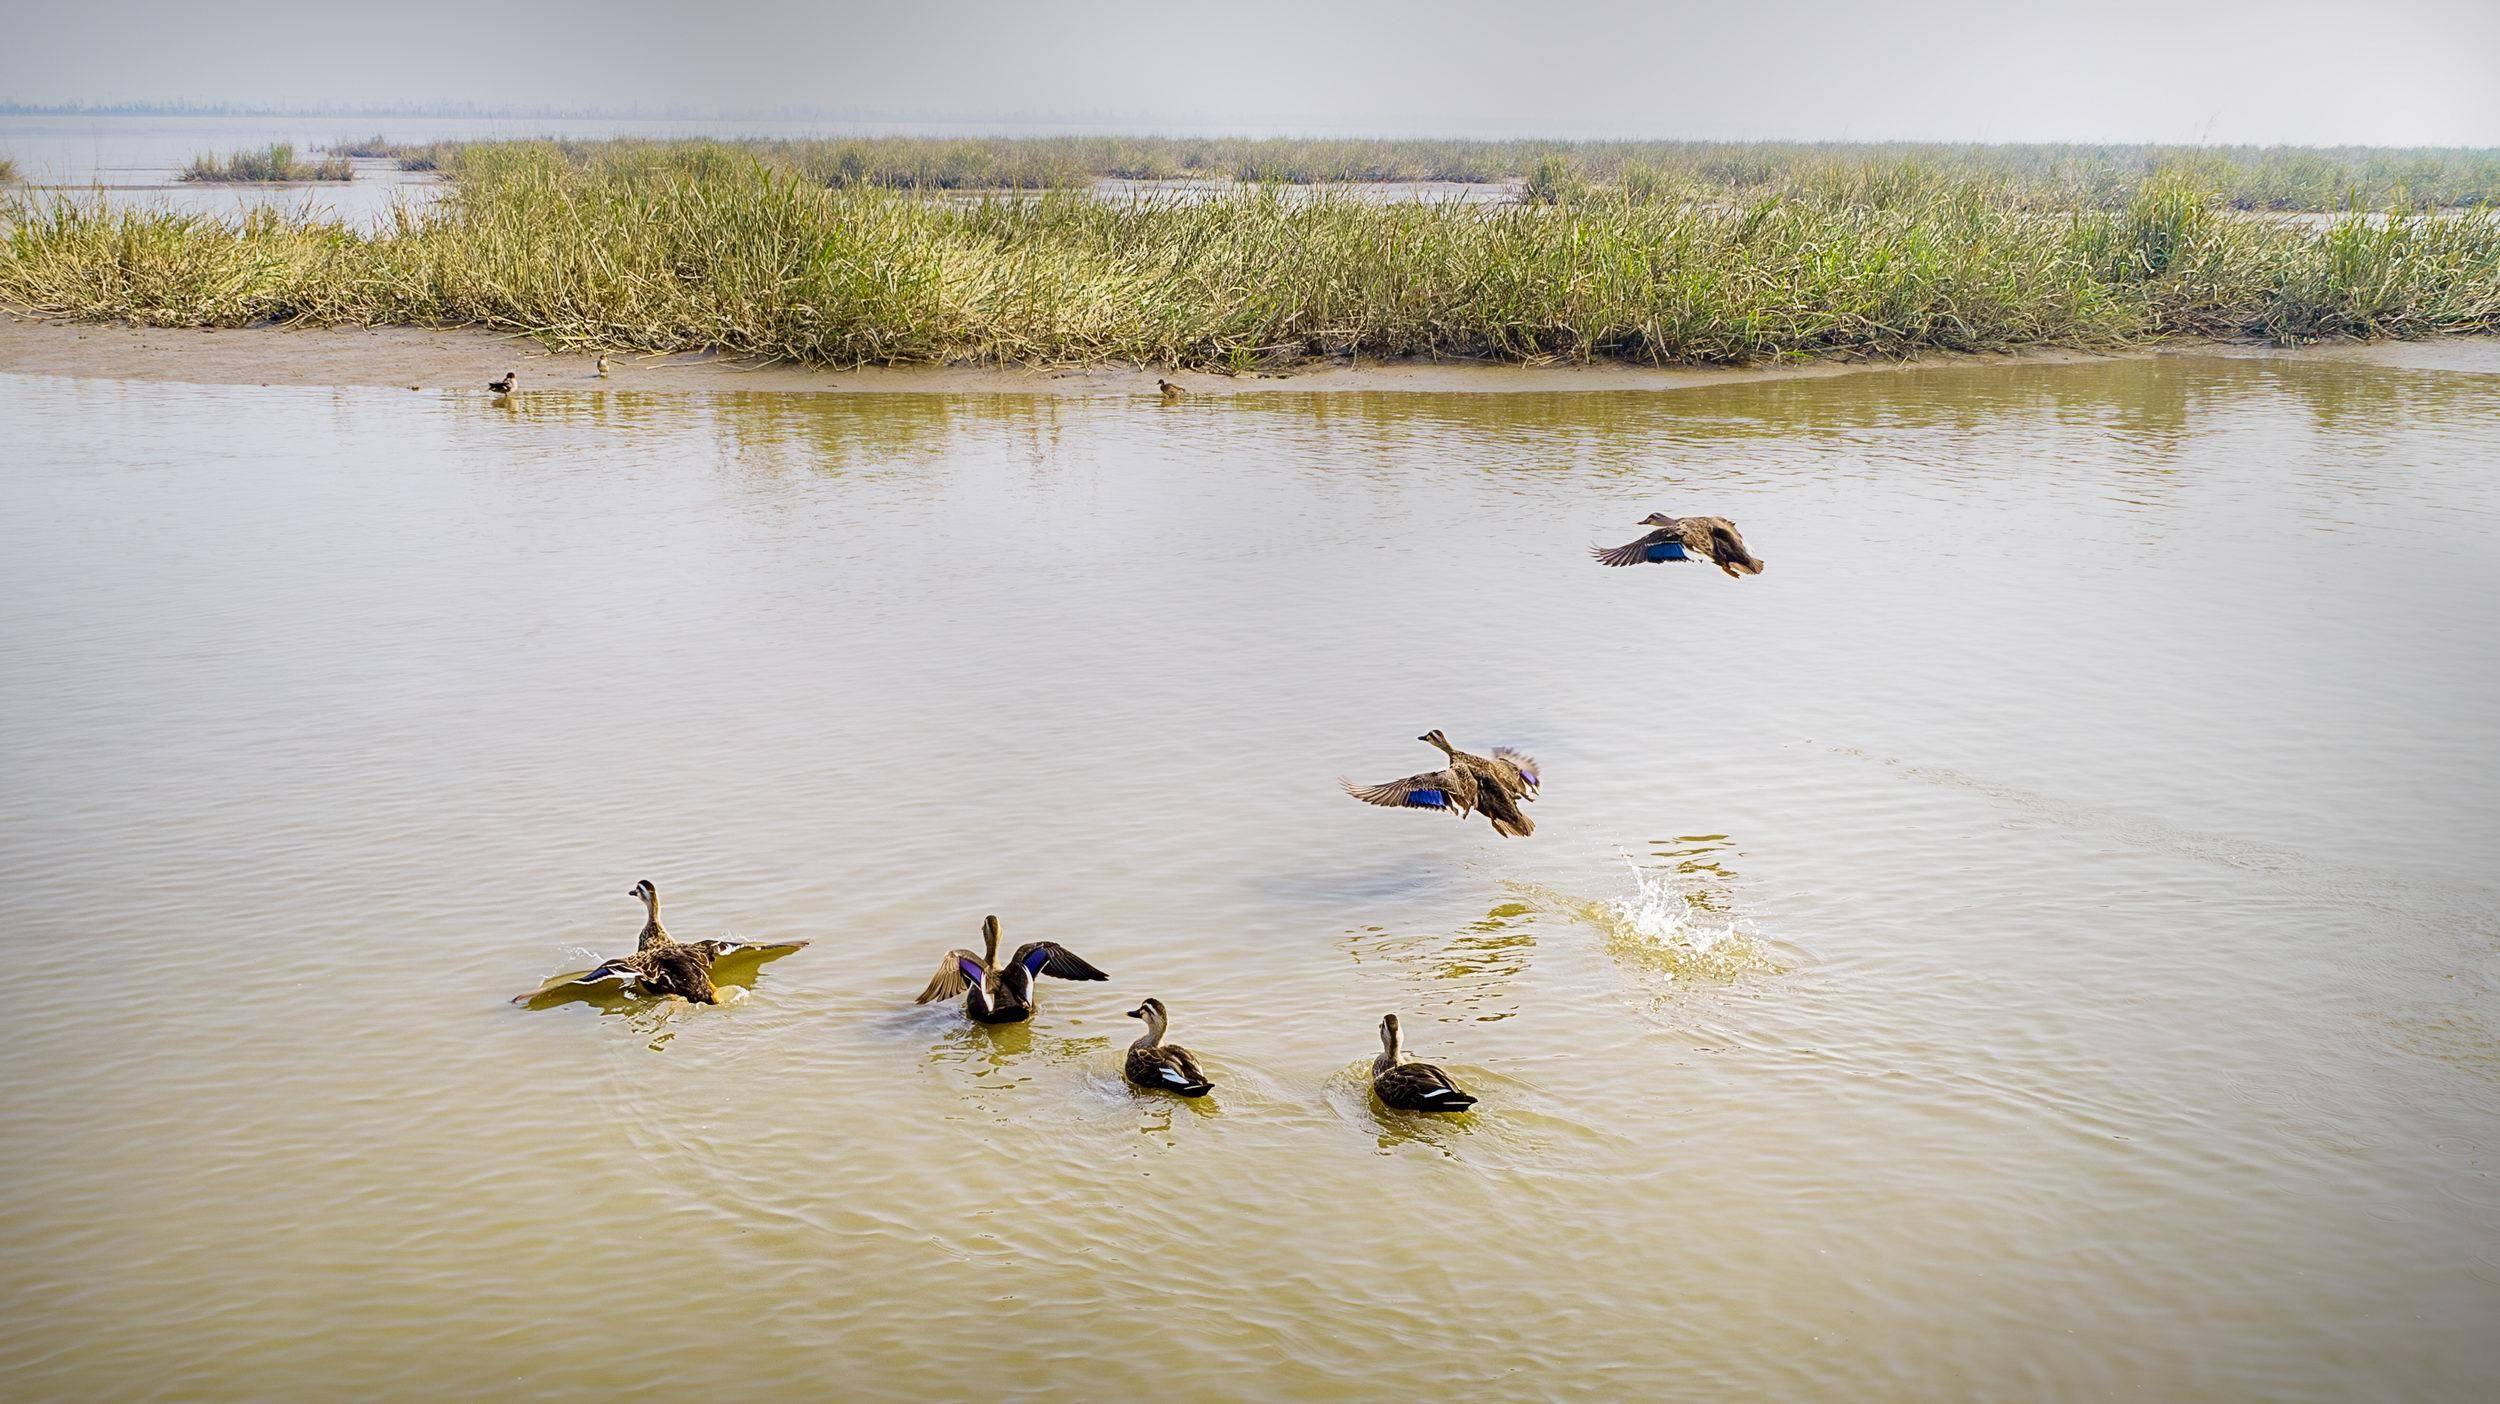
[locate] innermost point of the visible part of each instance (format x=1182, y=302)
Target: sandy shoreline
x=464, y=358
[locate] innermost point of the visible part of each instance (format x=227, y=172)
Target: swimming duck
x=1712, y=539
x=1170, y=391
x=1160, y=1066
x=1412, y=1086
x=1003, y=994
x=603, y=365
x=1497, y=784
x=661, y=964
x=504, y=386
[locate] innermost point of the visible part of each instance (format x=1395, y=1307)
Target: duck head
x=1151, y=1010
x=1389, y=1037
x=650, y=895
x=989, y=939
x=1657, y=519
x=1435, y=738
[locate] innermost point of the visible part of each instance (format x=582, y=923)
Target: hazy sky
x=2396, y=71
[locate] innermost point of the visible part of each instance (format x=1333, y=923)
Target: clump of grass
x=375, y=147
x=670, y=247
x=274, y=162
x=8, y=170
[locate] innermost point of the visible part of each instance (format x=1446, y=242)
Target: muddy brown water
x=2039, y=939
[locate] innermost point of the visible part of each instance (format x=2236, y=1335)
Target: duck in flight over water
x=1499, y=784
x=1712, y=539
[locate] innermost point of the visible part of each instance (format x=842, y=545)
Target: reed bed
x=664, y=248
x=272, y=163
x=2066, y=177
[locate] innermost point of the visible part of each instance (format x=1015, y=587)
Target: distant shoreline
x=462, y=358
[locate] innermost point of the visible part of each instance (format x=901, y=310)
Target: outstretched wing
x=1525, y=765
x=960, y=971
x=730, y=945
x=1433, y=790
x=1051, y=958
x=606, y=974
x=1664, y=544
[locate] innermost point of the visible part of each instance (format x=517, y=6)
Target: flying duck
x=1498, y=784
x=1159, y=1066
x=1412, y=1086
x=1712, y=539
x=1003, y=994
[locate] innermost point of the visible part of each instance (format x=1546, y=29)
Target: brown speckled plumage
x=661, y=964
x=1412, y=1086
x=1159, y=1066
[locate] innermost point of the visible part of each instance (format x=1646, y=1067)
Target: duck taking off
x=1712, y=539
x=1412, y=1086
x=504, y=386
x=1499, y=784
x=661, y=964
x=1162, y=1067
x=1003, y=994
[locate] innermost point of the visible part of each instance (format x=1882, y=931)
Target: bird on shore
x=1003, y=994
x=1499, y=785
x=1170, y=391
x=1159, y=1066
x=1412, y=1086
x=1712, y=539
x=504, y=386
x=603, y=365
x=661, y=964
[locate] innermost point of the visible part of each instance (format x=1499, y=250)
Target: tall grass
x=2044, y=176
x=8, y=170
x=274, y=162
x=717, y=248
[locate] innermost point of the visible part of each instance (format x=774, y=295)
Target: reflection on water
x=2043, y=932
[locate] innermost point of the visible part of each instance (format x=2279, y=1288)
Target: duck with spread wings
x=1003, y=994
x=1500, y=785
x=1712, y=539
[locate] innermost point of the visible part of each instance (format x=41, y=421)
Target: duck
x=603, y=365
x=661, y=964
x=1412, y=1086
x=1003, y=994
x=1713, y=539
x=504, y=386
x=1162, y=1067
x=1170, y=391
x=1499, y=784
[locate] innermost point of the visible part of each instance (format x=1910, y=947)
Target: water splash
x=1671, y=924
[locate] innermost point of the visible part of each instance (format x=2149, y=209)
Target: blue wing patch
x=971, y=968
x=1665, y=551
x=1427, y=799
x=1033, y=963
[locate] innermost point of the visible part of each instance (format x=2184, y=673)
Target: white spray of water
x=1665, y=923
